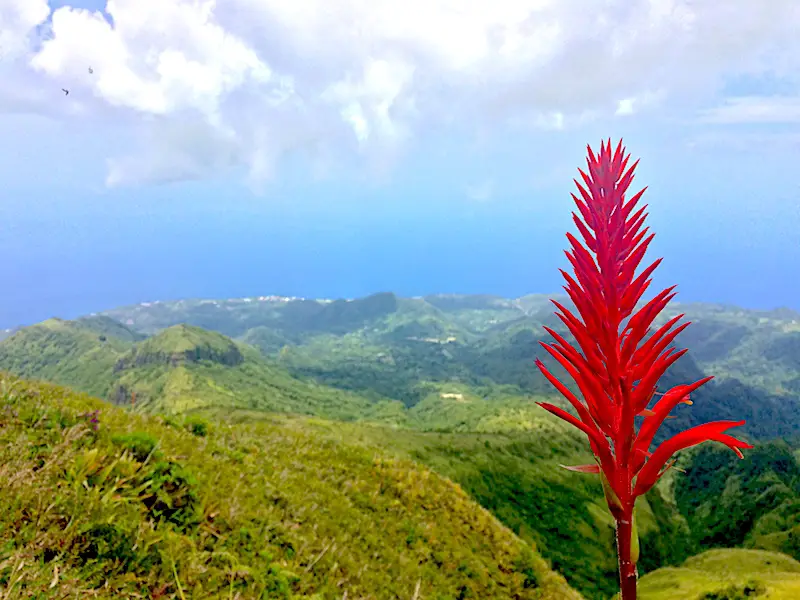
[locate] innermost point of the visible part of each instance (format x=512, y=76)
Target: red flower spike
x=614, y=363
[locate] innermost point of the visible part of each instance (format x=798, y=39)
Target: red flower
x=616, y=366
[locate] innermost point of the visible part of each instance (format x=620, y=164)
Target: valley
x=447, y=384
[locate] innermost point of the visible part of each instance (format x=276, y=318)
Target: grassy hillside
x=518, y=478
x=186, y=368
x=180, y=369
x=100, y=503
x=80, y=354
x=726, y=575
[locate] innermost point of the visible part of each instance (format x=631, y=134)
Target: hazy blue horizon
x=100, y=260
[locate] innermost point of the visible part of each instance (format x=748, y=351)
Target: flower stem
x=627, y=568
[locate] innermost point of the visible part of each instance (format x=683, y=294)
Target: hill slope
x=516, y=475
x=182, y=368
x=489, y=438
x=80, y=354
x=753, y=502
x=140, y=506
x=726, y=575
x=186, y=368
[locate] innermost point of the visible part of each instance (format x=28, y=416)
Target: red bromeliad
x=618, y=363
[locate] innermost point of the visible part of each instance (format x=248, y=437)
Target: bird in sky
x=66, y=92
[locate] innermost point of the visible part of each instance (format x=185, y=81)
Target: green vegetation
x=182, y=368
x=759, y=348
x=72, y=353
x=447, y=382
x=384, y=347
x=753, y=502
x=105, y=326
x=99, y=503
x=185, y=368
x=726, y=575
x=516, y=475
x=182, y=344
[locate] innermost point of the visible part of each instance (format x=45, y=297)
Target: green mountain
x=80, y=354
x=384, y=347
x=761, y=348
x=180, y=369
x=185, y=368
x=105, y=504
x=731, y=502
x=106, y=327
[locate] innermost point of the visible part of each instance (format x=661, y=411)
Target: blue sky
x=328, y=149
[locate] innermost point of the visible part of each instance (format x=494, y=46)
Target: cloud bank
x=208, y=86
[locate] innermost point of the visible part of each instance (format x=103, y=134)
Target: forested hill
x=388, y=347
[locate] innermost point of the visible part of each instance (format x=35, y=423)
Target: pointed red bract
x=595, y=468
x=617, y=360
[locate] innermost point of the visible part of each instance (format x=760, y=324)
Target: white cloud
x=755, y=109
x=210, y=85
x=18, y=19
x=767, y=144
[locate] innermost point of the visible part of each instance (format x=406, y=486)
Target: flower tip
x=595, y=468
x=739, y=453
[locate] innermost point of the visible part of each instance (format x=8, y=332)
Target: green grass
x=516, y=475
x=726, y=575
x=256, y=385
x=274, y=508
